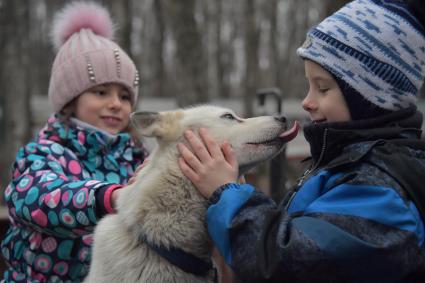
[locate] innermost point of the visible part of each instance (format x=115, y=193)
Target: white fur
x=163, y=205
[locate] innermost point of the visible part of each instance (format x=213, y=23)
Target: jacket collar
x=328, y=139
x=90, y=141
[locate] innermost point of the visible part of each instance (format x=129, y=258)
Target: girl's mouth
x=111, y=120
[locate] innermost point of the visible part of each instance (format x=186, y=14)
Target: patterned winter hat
x=87, y=56
x=377, y=47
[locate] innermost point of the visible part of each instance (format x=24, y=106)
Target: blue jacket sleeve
x=220, y=214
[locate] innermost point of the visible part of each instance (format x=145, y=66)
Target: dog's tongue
x=291, y=133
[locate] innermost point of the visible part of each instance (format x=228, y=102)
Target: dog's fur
x=163, y=206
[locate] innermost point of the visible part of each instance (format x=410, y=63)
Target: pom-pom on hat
x=377, y=47
x=82, y=33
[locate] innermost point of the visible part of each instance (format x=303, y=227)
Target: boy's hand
x=209, y=166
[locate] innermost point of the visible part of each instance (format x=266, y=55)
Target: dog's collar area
x=183, y=260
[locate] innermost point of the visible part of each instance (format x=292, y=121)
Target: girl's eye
x=228, y=116
x=323, y=89
x=125, y=96
x=99, y=92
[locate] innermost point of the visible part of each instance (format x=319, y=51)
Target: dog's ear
x=146, y=123
x=161, y=125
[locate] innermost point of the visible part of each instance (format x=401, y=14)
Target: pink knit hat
x=87, y=56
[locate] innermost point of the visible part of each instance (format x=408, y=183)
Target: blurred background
x=240, y=54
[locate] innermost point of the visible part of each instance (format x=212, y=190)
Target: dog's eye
x=228, y=116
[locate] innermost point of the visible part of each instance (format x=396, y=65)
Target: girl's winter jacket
x=61, y=187
x=350, y=219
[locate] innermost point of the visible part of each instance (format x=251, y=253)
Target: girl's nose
x=115, y=100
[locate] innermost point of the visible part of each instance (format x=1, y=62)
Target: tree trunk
x=122, y=15
x=274, y=57
x=158, y=50
x=222, y=55
x=190, y=56
x=15, y=90
x=251, y=52
x=332, y=6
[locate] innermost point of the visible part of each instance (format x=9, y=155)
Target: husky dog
x=158, y=233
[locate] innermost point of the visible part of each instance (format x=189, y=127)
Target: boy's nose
x=307, y=103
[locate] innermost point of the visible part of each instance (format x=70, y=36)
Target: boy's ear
x=147, y=123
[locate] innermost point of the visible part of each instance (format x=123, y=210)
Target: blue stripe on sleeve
x=379, y=204
x=332, y=240
x=220, y=215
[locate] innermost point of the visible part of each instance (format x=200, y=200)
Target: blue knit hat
x=376, y=47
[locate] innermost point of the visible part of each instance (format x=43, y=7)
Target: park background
x=188, y=52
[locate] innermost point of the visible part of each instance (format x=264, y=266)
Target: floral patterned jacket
x=61, y=186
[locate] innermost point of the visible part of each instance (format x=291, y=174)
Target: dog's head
x=253, y=140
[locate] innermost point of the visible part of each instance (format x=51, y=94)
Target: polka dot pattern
x=43, y=263
x=56, y=181
x=67, y=218
x=74, y=167
x=80, y=198
x=25, y=183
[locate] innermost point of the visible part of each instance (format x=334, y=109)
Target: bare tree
x=15, y=90
x=251, y=56
x=331, y=6
x=158, y=50
x=275, y=68
x=190, y=57
x=122, y=13
x=223, y=51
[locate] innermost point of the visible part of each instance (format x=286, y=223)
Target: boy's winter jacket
x=350, y=219
x=61, y=187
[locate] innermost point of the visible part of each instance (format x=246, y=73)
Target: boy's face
x=324, y=101
x=106, y=107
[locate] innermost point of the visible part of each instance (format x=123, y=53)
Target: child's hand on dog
x=210, y=165
x=141, y=166
x=115, y=194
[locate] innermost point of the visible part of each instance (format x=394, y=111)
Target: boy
x=355, y=214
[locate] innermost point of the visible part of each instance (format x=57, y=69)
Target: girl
x=357, y=214
x=70, y=175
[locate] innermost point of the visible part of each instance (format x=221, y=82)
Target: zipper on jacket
x=309, y=171
x=315, y=165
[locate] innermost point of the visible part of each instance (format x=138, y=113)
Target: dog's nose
x=281, y=119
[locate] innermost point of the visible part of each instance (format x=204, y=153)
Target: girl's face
x=324, y=101
x=106, y=107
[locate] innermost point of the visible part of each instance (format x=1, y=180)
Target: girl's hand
x=209, y=166
x=141, y=166
x=114, y=197
x=115, y=194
